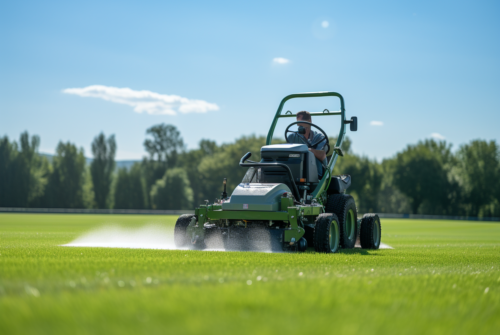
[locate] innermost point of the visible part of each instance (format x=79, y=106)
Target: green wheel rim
x=351, y=225
x=334, y=236
x=376, y=233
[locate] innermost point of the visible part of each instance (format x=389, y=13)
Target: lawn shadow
x=359, y=251
x=354, y=251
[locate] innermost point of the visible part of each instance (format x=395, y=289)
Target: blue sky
x=421, y=69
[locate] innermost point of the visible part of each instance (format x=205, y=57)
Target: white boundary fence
x=178, y=212
x=91, y=211
x=436, y=217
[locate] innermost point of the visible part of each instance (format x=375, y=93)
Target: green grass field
x=443, y=277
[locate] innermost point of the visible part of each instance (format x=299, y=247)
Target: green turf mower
x=281, y=203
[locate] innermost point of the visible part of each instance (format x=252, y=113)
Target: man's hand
x=319, y=154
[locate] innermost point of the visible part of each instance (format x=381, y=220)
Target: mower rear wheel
x=327, y=233
x=371, y=231
x=180, y=237
x=344, y=207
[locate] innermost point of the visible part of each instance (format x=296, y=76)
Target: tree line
x=424, y=178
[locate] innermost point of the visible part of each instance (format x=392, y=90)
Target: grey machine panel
x=311, y=170
x=291, y=154
x=287, y=147
x=297, y=156
x=256, y=197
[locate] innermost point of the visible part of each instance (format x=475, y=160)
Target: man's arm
x=319, y=154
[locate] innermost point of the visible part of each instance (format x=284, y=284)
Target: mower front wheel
x=327, y=233
x=180, y=237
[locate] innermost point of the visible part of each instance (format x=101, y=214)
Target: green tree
x=390, y=199
x=165, y=145
x=8, y=153
x=190, y=162
x=173, y=191
x=129, y=190
x=23, y=171
x=32, y=169
x=164, y=148
x=479, y=174
x=69, y=185
x=422, y=172
x=102, y=168
x=366, y=180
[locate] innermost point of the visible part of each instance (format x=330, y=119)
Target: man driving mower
x=281, y=204
x=314, y=140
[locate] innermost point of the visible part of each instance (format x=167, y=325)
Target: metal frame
x=340, y=139
x=289, y=212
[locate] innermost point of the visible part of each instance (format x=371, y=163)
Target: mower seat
x=297, y=157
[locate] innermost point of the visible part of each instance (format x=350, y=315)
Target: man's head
x=304, y=116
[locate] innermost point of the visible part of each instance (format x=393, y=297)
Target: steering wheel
x=306, y=142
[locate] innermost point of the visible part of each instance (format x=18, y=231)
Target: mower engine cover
x=256, y=197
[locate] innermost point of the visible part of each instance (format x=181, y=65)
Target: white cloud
x=281, y=60
x=376, y=123
x=325, y=24
x=145, y=101
x=437, y=136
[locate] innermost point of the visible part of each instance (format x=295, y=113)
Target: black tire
x=344, y=207
x=302, y=245
x=180, y=238
x=327, y=233
x=370, y=233
x=309, y=235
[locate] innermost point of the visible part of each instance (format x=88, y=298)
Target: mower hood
x=256, y=197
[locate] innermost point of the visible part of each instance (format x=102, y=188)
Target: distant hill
x=119, y=163
x=125, y=164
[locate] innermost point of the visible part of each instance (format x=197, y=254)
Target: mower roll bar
x=246, y=156
x=278, y=114
x=325, y=180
